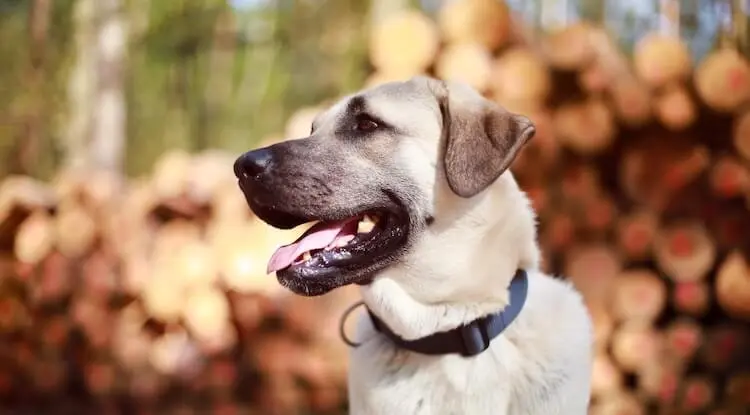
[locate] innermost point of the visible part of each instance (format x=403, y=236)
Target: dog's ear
x=481, y=138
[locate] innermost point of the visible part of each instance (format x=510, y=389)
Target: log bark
x=737, y=390
x=652, y=175
x=741, y=135
x=724, y=346
x=730, y=177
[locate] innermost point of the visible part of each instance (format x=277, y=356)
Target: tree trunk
x=81, y=87
x=108, y=136
x=39, y=18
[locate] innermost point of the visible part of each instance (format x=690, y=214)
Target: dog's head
x=386, y=173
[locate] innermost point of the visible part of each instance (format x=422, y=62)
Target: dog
x=410, y=189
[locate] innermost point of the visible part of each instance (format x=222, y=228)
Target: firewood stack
x=138, y=293
x=135, y=294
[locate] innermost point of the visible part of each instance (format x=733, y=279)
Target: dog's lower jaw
x=411, y=319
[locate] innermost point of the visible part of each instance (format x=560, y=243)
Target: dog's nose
x=252, y=163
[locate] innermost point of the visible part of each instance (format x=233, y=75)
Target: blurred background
x=132, y=273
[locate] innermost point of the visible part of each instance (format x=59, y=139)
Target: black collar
x=472, y=338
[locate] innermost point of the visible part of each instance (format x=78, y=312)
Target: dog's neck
x=433, y=292
x=469, y=339
x=411, y=319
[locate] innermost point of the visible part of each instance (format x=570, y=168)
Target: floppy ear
x=481, y=138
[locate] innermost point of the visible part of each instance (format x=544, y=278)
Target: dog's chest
x=386, y=380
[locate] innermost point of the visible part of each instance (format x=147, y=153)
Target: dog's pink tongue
x=318, y=237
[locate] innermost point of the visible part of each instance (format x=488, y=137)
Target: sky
x=247, y=4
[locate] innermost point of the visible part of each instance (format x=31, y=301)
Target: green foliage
x=33, y=104
x=203, y=75
x=198, y=74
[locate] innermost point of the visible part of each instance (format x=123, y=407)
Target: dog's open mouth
x=356, y=243
x=327, y=242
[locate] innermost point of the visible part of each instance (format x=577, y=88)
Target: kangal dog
x=409, y=188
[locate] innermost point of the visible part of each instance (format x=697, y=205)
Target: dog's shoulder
x=554, y=340
x=557, y=294
x=555, y=319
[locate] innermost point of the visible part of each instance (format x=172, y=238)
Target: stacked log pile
x=150, y=296
x=150, y=293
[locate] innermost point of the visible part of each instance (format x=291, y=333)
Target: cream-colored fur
x=459, y=269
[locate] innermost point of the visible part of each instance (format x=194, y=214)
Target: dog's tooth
x=306, y=256
x=365, y=225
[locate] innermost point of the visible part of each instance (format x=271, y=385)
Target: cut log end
x=730, y=178
x=586, y=127
x=685, y=252
x=683, y=339
x=636, y=233
x=675, y=109
x=486, y=22
x=661, y=59
x=722, y=80
x=406, y=42
x=692, y=298
x=733, y=285
x=521, y=63
x=593, y=270
x=571, y=47
x=639, y=296
x=635, y=346
x=741, y=135
x=469, y=63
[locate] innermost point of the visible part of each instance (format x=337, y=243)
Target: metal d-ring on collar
x=342, y=323
x=470, y=339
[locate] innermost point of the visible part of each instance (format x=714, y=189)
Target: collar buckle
x=475, y=337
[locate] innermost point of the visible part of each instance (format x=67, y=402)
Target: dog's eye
x=365, y=123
